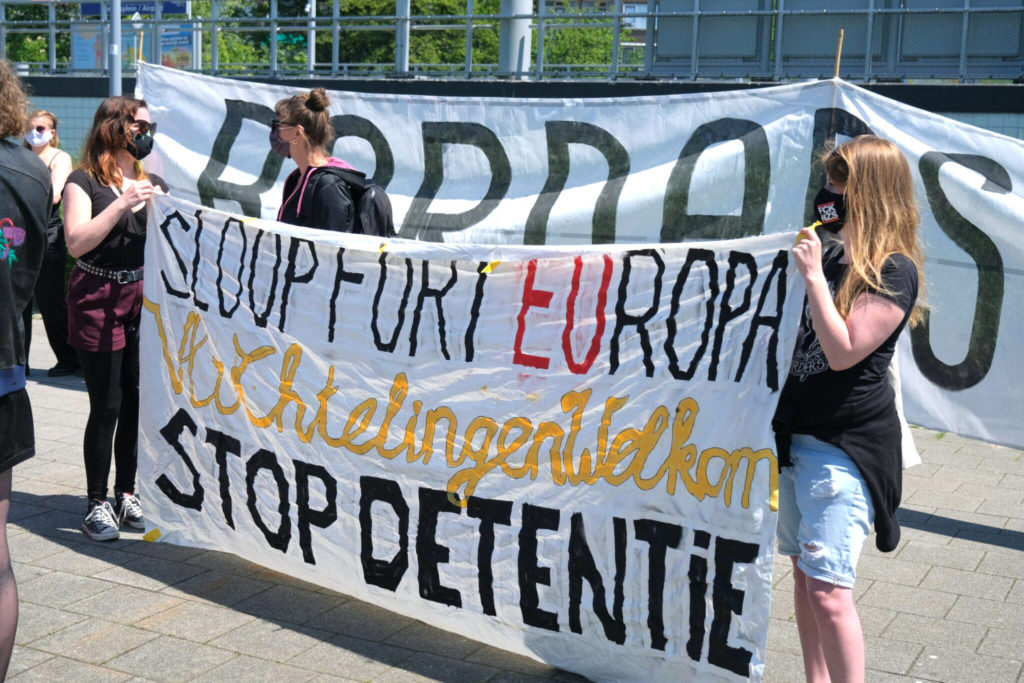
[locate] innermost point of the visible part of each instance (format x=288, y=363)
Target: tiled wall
x=75, y=114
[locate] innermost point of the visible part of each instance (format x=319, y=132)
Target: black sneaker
x=99, y=524
x=62, y=369
x=128, y=510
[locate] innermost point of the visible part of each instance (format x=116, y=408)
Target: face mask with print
x=141, y=146
x=280, y=147
x=830, y=208
x=37, y=139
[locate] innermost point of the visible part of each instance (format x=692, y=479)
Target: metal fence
x=967, y=40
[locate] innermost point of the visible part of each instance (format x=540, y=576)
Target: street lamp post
x=114, y=49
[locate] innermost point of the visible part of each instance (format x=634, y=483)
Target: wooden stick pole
x=839, y=53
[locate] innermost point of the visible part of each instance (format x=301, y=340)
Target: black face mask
x=141, y=146
x=830, y=208
x=279, y=146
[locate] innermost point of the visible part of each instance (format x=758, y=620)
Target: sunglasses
x=40, y=129
x=145, y=127
x=277, y=123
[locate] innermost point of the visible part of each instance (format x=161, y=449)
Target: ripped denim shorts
x=825, y=511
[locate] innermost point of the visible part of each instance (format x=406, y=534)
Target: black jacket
x=321, y=199
x=25, y=200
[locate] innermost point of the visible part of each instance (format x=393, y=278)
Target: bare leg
x=8, y=589
x=815, y=669
x=839, y=630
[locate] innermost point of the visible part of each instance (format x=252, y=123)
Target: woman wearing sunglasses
x=105, y=221
x=315, y=194
x=50, y=293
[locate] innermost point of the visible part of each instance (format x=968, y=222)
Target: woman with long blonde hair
x=50, y=292
x=836, y=425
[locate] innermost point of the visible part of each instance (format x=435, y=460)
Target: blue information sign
x=92, y=9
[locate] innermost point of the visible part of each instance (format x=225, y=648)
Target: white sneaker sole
x=109, y=536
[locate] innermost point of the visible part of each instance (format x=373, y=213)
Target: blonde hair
x=43, y=114
x=881, y=216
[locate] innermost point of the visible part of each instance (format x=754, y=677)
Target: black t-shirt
x=811, y=382
x=124, y=246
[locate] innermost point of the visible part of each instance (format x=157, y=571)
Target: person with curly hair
x=25, y=200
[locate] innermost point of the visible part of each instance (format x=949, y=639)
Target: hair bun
x=317, y=100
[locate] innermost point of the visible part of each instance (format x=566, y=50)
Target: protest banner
x=565, y=452
x=656, y=169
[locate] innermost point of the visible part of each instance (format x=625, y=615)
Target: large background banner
x=656, y=169
x=563, y=452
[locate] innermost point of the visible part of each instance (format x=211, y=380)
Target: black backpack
x=372, y=205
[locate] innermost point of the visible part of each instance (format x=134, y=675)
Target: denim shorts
x=825, y=511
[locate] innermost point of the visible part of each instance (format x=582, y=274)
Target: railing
x=967, y=40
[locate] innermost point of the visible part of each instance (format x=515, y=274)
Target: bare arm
x=870, y=322
x=60, y=169
x=83, y=231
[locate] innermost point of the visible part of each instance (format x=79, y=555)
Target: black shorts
x=18, y=442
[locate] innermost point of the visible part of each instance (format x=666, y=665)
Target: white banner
x=656, y=169
x=563, y=452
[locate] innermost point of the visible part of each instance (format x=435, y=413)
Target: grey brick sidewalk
x=948, y=606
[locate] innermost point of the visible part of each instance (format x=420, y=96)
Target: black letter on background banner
x=384, y=573
x=678, y=225
x=210, y=185
x=726, y=600
x=639, y=321
x=988, y=302
x=560, y=135
x=828, y=123
x=319, y=518
x=582, y=566
x=489, y=512
x=224, y=444
x=429, y=553
x=348, y=125
x=534, y=518
x=419, y=224
x=171, y=431
x=692, y=256
x=266, y=460
x=659, y=535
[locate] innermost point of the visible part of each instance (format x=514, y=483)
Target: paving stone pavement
x=947, y=606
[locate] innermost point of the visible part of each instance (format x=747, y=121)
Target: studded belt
x=121, y=277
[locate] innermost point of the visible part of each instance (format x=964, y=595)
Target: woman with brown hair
x=316, y=194
x=105, y=220
x=25, y=201
x=50, y=293
x=836, y=424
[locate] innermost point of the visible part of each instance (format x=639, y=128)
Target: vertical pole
x=780, y=10
x=651, y=36
x=839, y=54
x=469, y=38
x=114, y=48
x=156, y=42
x=695, y=40
x=402, y=10
x=3, y=31
x=963, y=40
x=311, y=40
x=51, y=15
x=869, y=53
x=616, y=38
x=541, y=33
x=273, y=37
x=214, y=37
x=335, y=16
